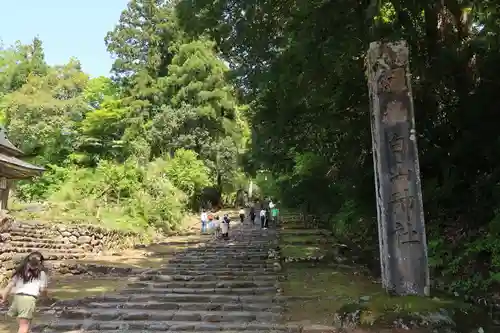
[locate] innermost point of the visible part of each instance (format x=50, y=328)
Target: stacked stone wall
x=56, y=241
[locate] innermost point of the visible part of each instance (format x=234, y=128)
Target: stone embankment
x=56, y=242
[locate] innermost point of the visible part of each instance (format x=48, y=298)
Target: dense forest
x=213, y=93
x=302, y=67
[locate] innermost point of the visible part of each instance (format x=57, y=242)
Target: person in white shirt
x=262, y=216
x=225, y=226
x=28, y=283
x=242, y=215
x=204, y=220
x=217, y=226
x=271, y=204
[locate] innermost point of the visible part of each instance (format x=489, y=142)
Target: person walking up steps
x=271, y=204
x=252, y=214
x=28, y=282
x=225, y=227
x=242, y=214
x=274, y=215
x=227, y=220
x=268, y=218
x=262, y=216
x=204, y=220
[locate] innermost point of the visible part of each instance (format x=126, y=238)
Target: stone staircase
x=229, y=286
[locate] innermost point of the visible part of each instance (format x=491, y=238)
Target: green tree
x=187, y=172
x=42, y=115
x=203, y=113
x=143, y=43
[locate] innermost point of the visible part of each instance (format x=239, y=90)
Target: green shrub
x=186, y=172
x=38, y=187
x=131, y=195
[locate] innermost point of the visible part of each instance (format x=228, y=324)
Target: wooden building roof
x=12, y=167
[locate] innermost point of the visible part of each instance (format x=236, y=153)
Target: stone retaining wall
x=56, y=241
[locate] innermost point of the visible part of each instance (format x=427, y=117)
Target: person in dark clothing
x=225, y=227
x=262, y=216
x=268, y=218
x=252, y=214
x=227, y=220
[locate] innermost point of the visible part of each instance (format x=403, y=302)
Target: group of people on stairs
x=267, y=213
x=210, y=222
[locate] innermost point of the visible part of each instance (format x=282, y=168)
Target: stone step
x=41, y=245
x=23, y=230
x=227, y=253
x=223, y=261
x=198, y=291
x=169, y=326
x=203, y=284
x=227, y=269
x=27, y=233
x=27, y=226
x=211, y=271
x=170, y=315
x=244, y=248
x=258, y=244
x=208, y=277
x=218, y=254
x=25, y=238
x=231, y=250
x=9, y=248
x=255, y=240
x=52, y=256
x=240, y=246
x=182, y=233
x=174, y=298
x=291, y=328
x=186, y=242
x=202, y=250
x=186, y=306
x=214, y=258
x=220, y=265
x=291, y=231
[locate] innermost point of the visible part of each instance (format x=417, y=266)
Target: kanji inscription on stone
x=403, y=245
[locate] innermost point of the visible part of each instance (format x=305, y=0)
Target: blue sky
x=66, y=27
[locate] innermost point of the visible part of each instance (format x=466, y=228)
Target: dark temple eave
x=14, y=168
x=6, y=146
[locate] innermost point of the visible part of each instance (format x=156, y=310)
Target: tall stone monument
x=401, y=227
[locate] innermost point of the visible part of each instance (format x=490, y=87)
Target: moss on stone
x=72, y=287
x=351, y=293
x=301, y=251
x=301, y=239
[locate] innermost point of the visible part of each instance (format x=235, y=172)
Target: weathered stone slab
x=403, y=247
